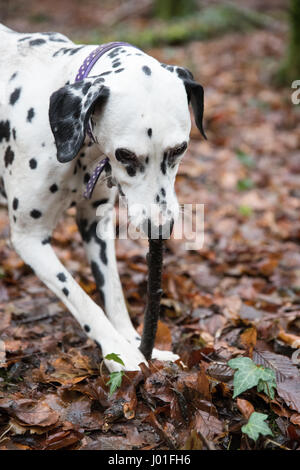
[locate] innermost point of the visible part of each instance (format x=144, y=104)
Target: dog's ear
x=69, y=113
x=195, y=94
x=194, y=91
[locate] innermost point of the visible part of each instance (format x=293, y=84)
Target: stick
x=154, y=291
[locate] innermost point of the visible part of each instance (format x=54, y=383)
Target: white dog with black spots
x=139, y=116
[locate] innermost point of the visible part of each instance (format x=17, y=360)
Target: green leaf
x=246, y=377
x=245, y=184
x=256, y=426
x=267, y=387
x=246, y=211
x=114, y=357
x=249, y=375
x=115, y=381
x=245, y=159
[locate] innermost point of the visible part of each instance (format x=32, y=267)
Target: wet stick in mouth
x=154, y=291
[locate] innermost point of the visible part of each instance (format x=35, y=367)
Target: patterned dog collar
x=83, y=72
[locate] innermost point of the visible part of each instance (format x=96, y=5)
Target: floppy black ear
x=195, y=94
x=69, y=112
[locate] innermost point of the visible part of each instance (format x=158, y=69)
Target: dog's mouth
x=156, y=231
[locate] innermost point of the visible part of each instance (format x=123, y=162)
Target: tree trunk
x=167, y=9
x=294, y=49
x=290, y=69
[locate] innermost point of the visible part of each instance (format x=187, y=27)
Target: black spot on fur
x=163, y=192
x=131, y=171
x=53, y=188
x=35, y=214
x=65, y=291
x=103, y=255
x=61, y=277
x=157, y=198
x=37, y=42
x=146, y=70
x=99, y=278
x=30, y=115
x=90, y=233
x=147, y=160
x=2, y=188
x=14, y=133
x=116, y=64
x=184, y=73
x=15, y=203
x=14, y=218
x=163, y=165
x=86, y=178
x=8, y=156
x=46, y=241
x=33, y=163
x=119, y=70
x=4, y=131
x=95, y=204
x=86, y=88
x=15, y=96
x=87, y=328
x=149, y=132
x=24, y=39
x=74, y=51
x=13, y=76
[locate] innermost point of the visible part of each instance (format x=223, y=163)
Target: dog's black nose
x=158, y=232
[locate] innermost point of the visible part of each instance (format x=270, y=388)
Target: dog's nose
x=158, y=232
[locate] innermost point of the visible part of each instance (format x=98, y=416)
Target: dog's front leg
x=98, y=236
x=36, y=251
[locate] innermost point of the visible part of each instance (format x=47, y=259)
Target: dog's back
x=27, y=79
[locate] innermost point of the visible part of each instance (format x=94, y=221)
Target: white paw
x=164, y=355
x=130, y=355
x=156, y=353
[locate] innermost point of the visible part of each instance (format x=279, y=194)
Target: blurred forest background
x=238, y=295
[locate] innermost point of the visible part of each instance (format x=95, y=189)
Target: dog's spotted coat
x=140, y=120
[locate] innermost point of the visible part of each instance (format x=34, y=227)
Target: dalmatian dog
x=137, y=111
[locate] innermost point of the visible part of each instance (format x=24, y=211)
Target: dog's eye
x=179, y=150
x=175, y=153
x=125, y=156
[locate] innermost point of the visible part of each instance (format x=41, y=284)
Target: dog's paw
x=164, y=355
x=156, y=353
x=129, y=354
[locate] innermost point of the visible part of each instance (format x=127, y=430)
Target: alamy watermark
x=188, y=227
x=296, y=94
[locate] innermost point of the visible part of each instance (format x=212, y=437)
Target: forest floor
x=237, y=296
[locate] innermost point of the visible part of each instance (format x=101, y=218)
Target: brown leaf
x=61, y=440
x=248, y=338
x=245, y=407
x=282, y=365
x=295, y=419
x=163, y=338
x=289, y=390
x=30, y=412
x=193, y=442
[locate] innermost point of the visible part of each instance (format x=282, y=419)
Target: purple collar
x=83, y=72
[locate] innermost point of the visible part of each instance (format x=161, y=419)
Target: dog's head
x=140, y=119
